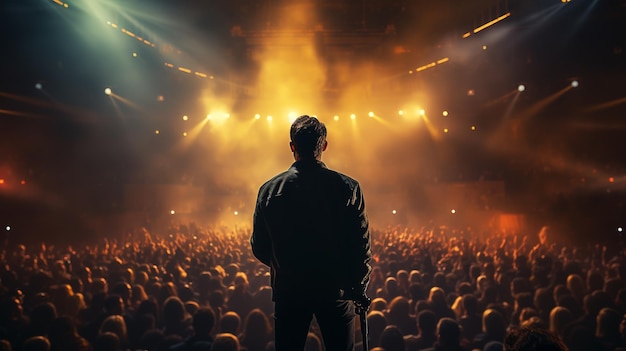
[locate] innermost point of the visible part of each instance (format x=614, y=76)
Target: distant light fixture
x=401, y=113
x=521, y=88
x=108, y=91
x=257, y=116
x=269, y=118
x=394, y=212
x=421, y=112
x=8, y=228
x=453, y=211
x=134, y=54
x=336, y=118
x=185, y=118
x=157, y=132
x=184, y=134
x=208, y=117
x=236, y=213
x=484, y=47
x=160, y=98
x=371, y=114
x=473, y=128
x=445, y=113
x=471, y=92
x=445, y=130
x=575, y=84
x=38, y=86
x=172, y=212
x=353, y=116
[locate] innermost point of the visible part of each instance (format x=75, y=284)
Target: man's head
x=308, y=138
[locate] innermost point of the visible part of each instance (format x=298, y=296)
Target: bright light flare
x=172, y=212
x=444, y=113
x=108, y=91
x=336, y=118
x=38, y=86
x=453, y=211
x=185, y=118
x=521, y=88
x=394, y=212
x=8, y=228
x=575, y=84
x=371, y=114
x=353, y=116
x=292, y=117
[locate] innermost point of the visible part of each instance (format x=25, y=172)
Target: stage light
x=269, y=118
x=611, y=180
x=134, y=54
x=371, y=114
x=575, y=84
x=336, y=118
x=1, y=181
x=8, y=228
x=401, y=113
x=208, y=117
x=23, y=182
x=184, y=134
x=353, y=116
x=410, y=71
x=445, y=113
x=421, y=112
x=38, y=86
x=185, y=117
x=108, y=91
x=292, y=117
x=521, y=88
x=172, y=212
x=619, y=229
x=227, y=115
x=236, y=213
x=157, y=132
x=445, y=130
x=473, y=128
x=160, y=98
x=394, y=212
x=453, y=211
x=471, y=92
x=484, y=47
x=257, y=116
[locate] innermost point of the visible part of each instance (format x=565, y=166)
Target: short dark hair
x=308, y=135
x=204, y=320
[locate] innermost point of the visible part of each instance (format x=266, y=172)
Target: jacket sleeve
x=260, y=238
x=358, y=241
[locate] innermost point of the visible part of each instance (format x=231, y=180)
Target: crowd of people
x=193, y=288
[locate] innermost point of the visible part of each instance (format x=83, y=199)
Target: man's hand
x=358, y=296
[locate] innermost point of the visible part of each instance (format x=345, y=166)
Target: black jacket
x=311, y=229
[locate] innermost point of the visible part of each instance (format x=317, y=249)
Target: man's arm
x=260, y=238
x=358, y=243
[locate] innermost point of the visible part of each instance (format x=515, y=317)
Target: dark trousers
x=335, y=318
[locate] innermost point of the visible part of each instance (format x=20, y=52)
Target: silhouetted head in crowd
x=225, y=342
x=533, y=339
x=203, y=321
x=448, y=332
x=391, y=339
x=36, y=343
x=230, y=322
x=427, y=322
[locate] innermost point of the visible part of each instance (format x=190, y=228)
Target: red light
x=1, y=181
x=611, y=180
x=23, y=182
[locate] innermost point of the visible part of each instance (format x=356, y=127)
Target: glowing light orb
x=38, y=86
x=611, y=179
x=445, y=113
x=353, y=116
x=157, y=132
x=108, y=91
x=23, y=182
x=236, y=213
x=421, y=112
x=394, y=212
x=257, y=116
x=473, y=128
x=8, y=228
x=453, y=211
x=371, y=114
x=269, y=118
x=521, y=88
x=185, y=118
x=172, y=212
x=484, y=47
x=134, y=54
x=575, y=84
x=619, y=229
x=401, y=113
x=445, y=130
x=336, y=118
x=184, y=134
